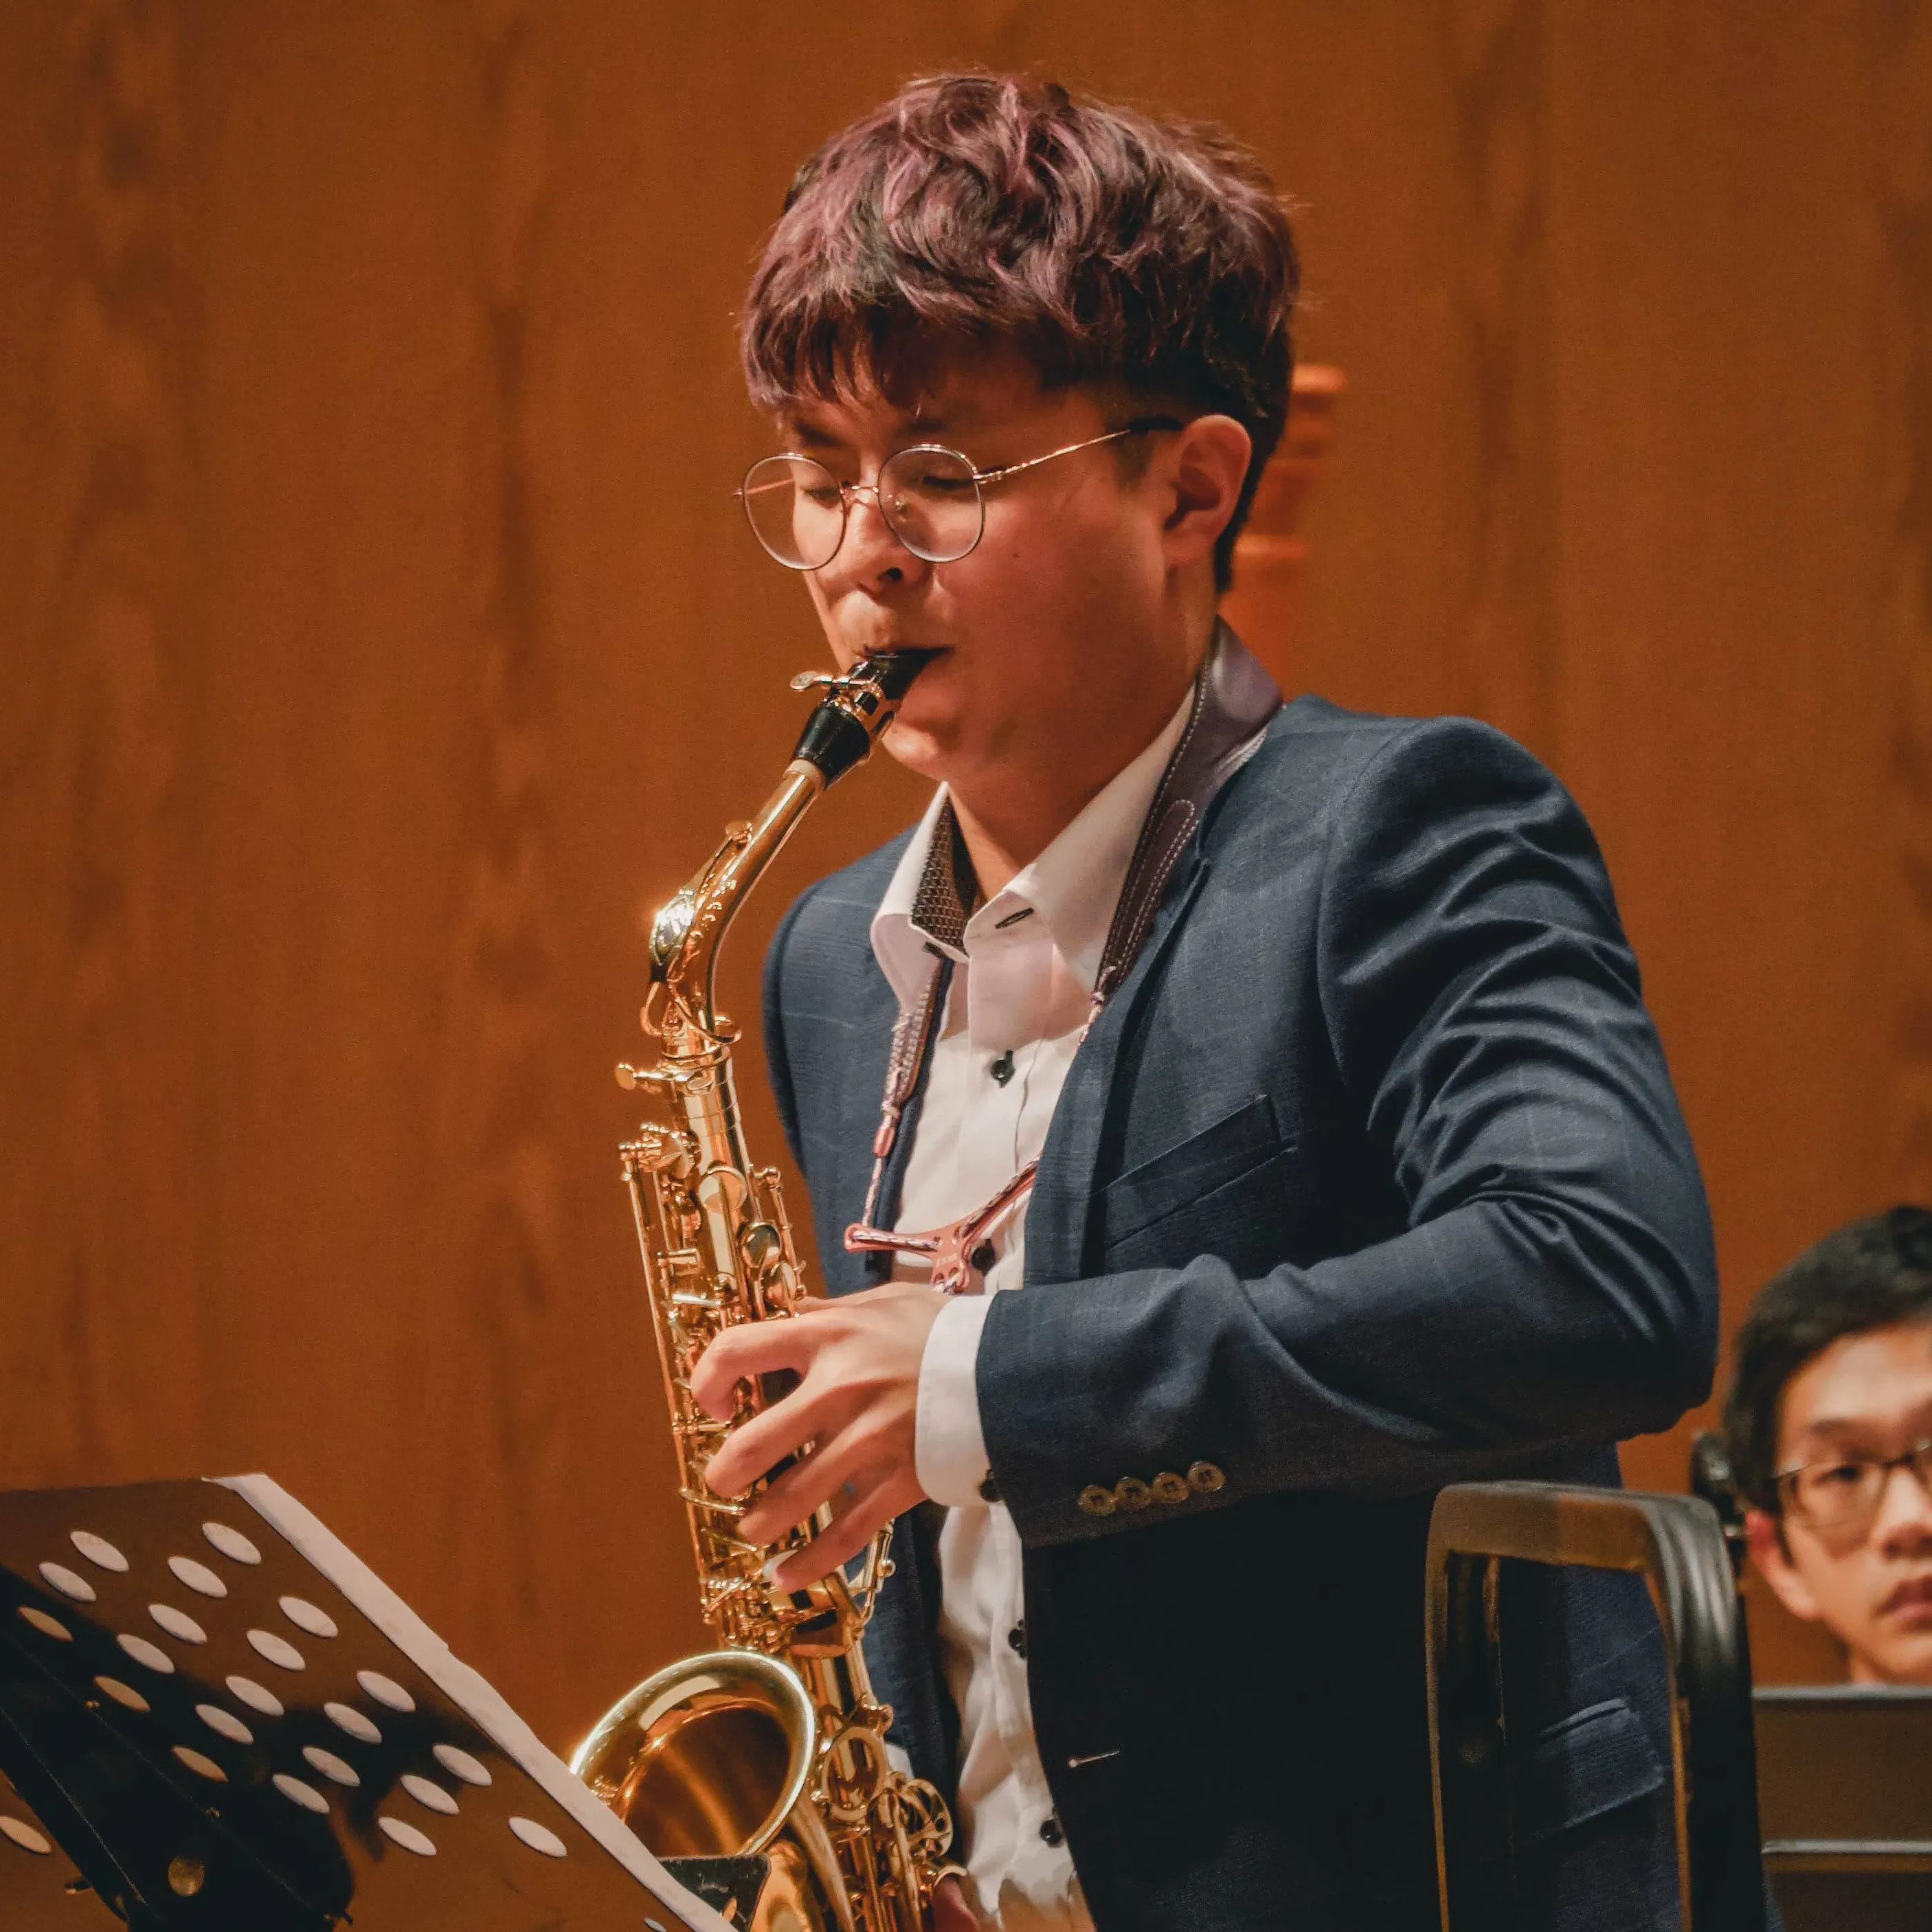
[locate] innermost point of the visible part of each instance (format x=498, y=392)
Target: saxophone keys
x=761, y=1246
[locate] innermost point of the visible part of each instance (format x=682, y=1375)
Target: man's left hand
x=851, y=1420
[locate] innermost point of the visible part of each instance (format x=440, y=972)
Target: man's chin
x=1903, y=1656
x=929, y=735
x=921, y=748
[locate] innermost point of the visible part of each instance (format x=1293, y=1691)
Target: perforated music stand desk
x=213, y=1716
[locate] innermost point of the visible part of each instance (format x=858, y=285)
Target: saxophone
x=772, y=1743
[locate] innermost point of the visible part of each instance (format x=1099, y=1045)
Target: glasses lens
x=795, y=510
x=1833, y=1495
x=929, y=498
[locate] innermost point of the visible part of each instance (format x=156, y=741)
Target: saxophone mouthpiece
x=897, y=670
x=855, y=709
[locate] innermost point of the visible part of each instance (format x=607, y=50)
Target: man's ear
x=1775, y=1566
x=1205, y=470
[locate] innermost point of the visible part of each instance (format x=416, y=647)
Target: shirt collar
x=1071, y=888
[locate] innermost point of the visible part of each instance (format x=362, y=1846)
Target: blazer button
x=1096, y=1501
x=1050, y=1830
x=1204, y=1478
x=1130, y=1492
x=1170, y=1488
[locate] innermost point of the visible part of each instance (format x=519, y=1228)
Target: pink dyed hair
x=970, y=209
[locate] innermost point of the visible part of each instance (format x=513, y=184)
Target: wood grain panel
x=1504, y=638
x=1899, y=75
x=380, y=642
x=102, y=1144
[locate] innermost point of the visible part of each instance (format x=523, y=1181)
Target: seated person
x=1829, y=1427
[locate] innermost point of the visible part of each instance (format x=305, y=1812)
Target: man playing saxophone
x=1268, y=1089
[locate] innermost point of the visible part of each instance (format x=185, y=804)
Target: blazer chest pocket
x=1183, y=1176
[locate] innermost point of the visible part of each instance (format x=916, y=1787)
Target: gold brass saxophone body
x=773, y=1743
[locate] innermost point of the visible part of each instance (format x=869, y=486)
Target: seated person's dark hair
x=1871, y=1273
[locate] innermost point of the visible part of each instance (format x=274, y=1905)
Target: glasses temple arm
x=1140, y=426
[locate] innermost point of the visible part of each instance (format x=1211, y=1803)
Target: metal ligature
x=773, y=1744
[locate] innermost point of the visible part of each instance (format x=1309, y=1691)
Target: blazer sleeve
x=1554, y=1284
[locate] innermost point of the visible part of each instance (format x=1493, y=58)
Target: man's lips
x=1914, y=1594
x=898, y=646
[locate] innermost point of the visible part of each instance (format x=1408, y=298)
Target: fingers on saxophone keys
x=875, y=1504
x=793, y=1497
x=704, y=1499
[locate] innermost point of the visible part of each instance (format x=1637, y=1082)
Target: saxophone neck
x=687, y=933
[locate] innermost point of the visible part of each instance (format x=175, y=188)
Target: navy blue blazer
x=1370, y=1179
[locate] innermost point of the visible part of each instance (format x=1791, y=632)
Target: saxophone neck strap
x=1234, y=698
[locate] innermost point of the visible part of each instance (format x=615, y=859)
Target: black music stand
x=1676, y=1545
x=1845, y=1789
x=212, y=1715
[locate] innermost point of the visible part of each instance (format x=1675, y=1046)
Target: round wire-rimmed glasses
x=931, y=498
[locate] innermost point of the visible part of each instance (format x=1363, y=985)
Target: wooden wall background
x=377, y=643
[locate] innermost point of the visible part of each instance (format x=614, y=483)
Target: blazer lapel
x=1058, y=1214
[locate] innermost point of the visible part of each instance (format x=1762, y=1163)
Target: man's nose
x=1904, y=1521
x=872, y=557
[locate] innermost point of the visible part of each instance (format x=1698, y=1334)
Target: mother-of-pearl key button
x=538, y=1837
x=198, y=1576
x=231, y=1543
x=123, y=1694
x=177, y=1623
x=224, y=1723
x=432, y=1795
x=385, y=1690
x=277, y=1650
x=60, y=1578
x=257, y=1696
x=461, y=1764
x=25, y=1837
x=407, y=1836
x=99, y=1551
x=297, y=1792
x=203, y=1767
x=346, y=1717
x=47, y=1626
x=142, y=1651
x=330, y=1766
x=305, y=1615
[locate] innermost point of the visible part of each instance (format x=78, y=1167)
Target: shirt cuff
x=950, y=1449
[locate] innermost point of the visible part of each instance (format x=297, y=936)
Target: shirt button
x=1002, y=1069
x=989, y=1488
x=1050, y=1830
x=1016, y=1638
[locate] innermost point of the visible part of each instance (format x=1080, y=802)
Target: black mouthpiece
x=897, y=670
x=839, y=734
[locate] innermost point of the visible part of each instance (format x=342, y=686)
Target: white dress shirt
x=1025, y=963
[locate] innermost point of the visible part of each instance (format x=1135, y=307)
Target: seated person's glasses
x=1844, y=1492
x=932, y=499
